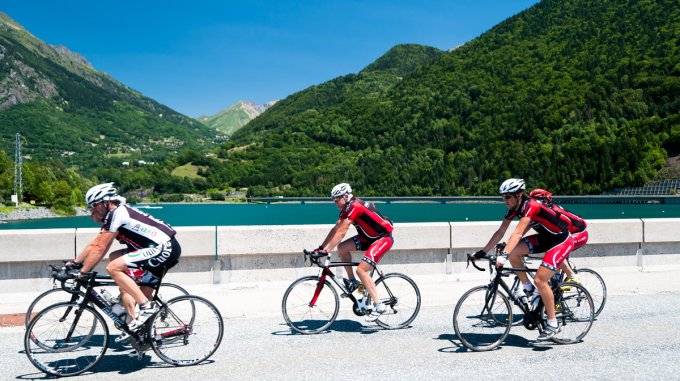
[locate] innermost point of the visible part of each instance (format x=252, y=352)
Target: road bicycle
x=311, y=304
x=69, y=338
x=58, y=294
x=484, y=316
x=588, y=278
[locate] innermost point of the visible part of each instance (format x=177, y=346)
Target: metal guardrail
x=596, y=199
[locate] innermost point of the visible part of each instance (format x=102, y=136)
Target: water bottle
x=360, y=289
x=107, y=296
x=118, y=309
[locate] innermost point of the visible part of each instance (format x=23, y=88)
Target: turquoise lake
x=326, y=213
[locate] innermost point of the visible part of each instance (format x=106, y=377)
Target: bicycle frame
x=327, y=273
x=92, y=296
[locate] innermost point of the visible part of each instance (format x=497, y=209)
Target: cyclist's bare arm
x=96, y=250
x=336, y=234
x=497, y=236
x=516, y=235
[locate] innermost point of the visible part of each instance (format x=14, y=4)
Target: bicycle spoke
x=402, y=300
x=482, y=319
x=57, y=345
x=187, y=331
x=303, y=317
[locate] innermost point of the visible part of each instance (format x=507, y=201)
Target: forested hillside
x=579, y=96
x=67, y=110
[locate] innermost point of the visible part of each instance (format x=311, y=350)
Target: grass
x=188, y=170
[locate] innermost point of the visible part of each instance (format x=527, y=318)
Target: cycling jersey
x=577, y=225
x=366, y=219
x=375, y=230
x=136, y=229
x=151, y=242
x=544, y=220
x=553, y=236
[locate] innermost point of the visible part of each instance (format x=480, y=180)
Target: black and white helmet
x=341, y=190
x=98, y=193
x=512, y=186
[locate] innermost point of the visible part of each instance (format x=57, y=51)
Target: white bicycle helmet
x=341, y=190
x=512, y=186
x=101, y=192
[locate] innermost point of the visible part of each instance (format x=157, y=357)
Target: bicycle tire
x=302, y=317
x=401, y=297
x=595, y=285
x=575, y=313
x=46, y=299
x=482, y=319
x=187, y=330
x=50, y=348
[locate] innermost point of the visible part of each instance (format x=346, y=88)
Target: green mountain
x=234, y=117
x=65, y=109
x=578, y=96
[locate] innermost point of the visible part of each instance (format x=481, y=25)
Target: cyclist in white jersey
x=151, y=246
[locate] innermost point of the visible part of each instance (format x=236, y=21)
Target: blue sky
x=199, y=57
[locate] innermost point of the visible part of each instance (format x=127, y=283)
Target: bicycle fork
x=319, y=286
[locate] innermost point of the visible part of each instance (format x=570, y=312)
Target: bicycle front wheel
x=186, y=331
x=66, y=340
x=595, y=285
x=309, y=306
x=482, y=319
x=48, y=298
x=575, y=313
x=401, y=297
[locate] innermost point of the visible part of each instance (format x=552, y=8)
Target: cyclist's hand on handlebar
x=479, y=254
x=320, y=252
x=501, y=259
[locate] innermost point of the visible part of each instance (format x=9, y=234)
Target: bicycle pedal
x=136, y=355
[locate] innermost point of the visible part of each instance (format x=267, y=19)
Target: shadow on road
x=510, y=341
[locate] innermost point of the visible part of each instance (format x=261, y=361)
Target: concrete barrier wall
x=215, y=254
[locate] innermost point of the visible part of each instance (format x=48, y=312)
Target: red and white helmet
x=541, y=194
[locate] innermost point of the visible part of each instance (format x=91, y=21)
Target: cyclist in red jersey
x=375, y=237
x=577, y=226
x=552, y=237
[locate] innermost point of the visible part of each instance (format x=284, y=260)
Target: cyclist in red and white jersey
x=552, y=237
x=374, y=236
x=577, y=226
x=151, y=246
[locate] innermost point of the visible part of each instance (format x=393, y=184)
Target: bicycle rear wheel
x=482, y=319
x=575, y=313
x=401, y=297
x=65, y=340
x=595, y=285
x=186, y=331
x=298, y=310
x=48, y=298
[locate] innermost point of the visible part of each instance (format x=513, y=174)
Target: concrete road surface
x=635, y=337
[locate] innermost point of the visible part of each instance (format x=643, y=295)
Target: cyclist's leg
x=373, y=255
x=345, y=249
x=524, y=247
x=580, y=239
x=118, y=269
x=552, y=260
